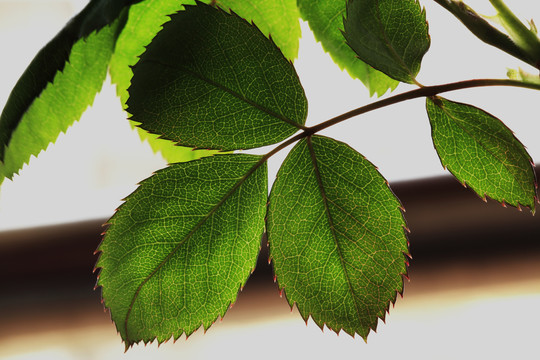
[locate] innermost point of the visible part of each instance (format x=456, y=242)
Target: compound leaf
x=179, y=249
x=480, y=151
x=49, y=97
x=392, y=36
x=325, y=19
x=211, y=80
x=336, y=235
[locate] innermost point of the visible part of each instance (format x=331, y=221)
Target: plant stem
x=425, y=91
x=521, y=35
x=484, y=31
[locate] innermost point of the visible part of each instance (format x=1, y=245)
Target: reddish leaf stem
x=425, y=91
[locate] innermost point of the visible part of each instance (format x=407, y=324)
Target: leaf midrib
x=453, y=118
x=331, y=223
x=390, y=45
x=231, y=92
x=185, y=239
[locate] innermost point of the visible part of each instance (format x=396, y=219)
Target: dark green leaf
x=392, y=36
x=145, y=20
x=44, y=69
x=336, y=235
x=182, y=245
x=34, y=117
x=480, y=151
x=211, y=80
x=325, y=19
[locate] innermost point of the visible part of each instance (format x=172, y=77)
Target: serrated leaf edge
x=342, y=67
x=99, y=252
x=390, y=46
x=465, y=184
x=400, y=290
x=61, y=132
x=230, y=12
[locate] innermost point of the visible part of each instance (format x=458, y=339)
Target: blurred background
x=474, y=289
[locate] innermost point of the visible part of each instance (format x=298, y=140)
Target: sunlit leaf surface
x=336, y=234
x=277, y=19
x=480, y=151
x=54, y=91
x=280, y=19
x=178, y=250
x=144, y=22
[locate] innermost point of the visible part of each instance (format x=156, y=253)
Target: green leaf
x=146, y=19
x=336, y=235
x=480, y=151
x=144, y=22
x=392, y=36
x=179, y=249
x=37, y=110
x=85, y=54
x=211, y=80
x=97, y=14
x=278, y=19
x=325, y=19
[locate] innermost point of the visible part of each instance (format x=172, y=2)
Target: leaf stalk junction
x=425, y=91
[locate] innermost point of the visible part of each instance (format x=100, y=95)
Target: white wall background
x=87, y=172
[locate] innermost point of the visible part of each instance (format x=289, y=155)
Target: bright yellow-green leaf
x=59, y=84
x=144, y=22
x=31, y=121
x=278, y=19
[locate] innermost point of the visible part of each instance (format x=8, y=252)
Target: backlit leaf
x=35, y=116
x=280, y=19
x=392, y=36
x=336, y=235
x=480, y=151
x=179, y=249
x=211, y=80
x=144, y=22
x=325, y=19
x=75, y=62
